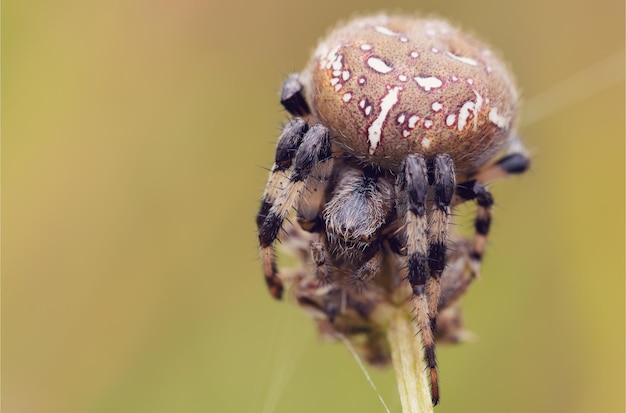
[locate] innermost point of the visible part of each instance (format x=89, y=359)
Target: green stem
x=408, y=362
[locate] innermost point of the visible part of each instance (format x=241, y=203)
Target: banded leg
x=444, y=183
x=515, y=162
x=413, y=181
x=314, y=198
x=288, y=143
x=291, y=136
x=309, y=219
x=475, y=190
x=314, y=148
x=291, y=96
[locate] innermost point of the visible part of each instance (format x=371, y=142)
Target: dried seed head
x=366, y=312
x=386, y=86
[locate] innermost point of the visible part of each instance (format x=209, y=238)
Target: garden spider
x=395, y=121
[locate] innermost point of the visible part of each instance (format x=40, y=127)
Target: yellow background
x=134, y=140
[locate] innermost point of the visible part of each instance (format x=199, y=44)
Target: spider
x=394, y=121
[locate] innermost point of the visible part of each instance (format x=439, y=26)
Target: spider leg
x=313, y=200
x=444, y=183
x=288, y=143
x=291, y=96
x=314, y=148
x=310, y=220
x=458, y=274
x=455, y=281
x=322, y=268
x=367, y=271
x=515, y=162
x=471, y=190
x=413, y=181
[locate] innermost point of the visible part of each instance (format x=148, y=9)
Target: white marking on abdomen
x=379, y=65
x=384, y=30
x=479, y=104
x=463, y=59
x=464, y=114
x=374, y=132
x=428, y=83
x=468, y=107
x=450, y=119
x=337, y=64
x=328, y=57
x=497, y=119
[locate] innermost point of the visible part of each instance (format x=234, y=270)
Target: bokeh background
x=135, y=137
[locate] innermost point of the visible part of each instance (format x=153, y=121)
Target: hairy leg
x=413, y=184
x=444, y=184
x=314, y=148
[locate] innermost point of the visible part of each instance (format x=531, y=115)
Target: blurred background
x=136, y=137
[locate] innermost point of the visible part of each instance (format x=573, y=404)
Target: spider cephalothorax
x=395, y=120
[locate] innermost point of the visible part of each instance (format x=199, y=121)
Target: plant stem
x=408, y=362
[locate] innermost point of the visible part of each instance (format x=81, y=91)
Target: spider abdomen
x=387, y=86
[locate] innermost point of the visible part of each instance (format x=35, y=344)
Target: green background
x=135, y=137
